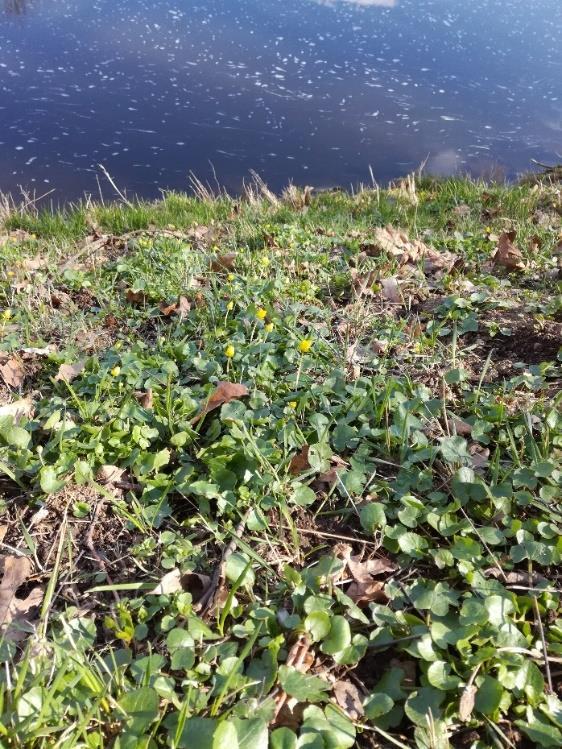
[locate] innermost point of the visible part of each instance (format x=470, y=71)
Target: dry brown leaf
x=108, y=474
x=135, y=297
x=22, y=408
x=363, y=572
x=461, y=427
x=145, y=398
x=223, y=263
x=181, y=307
x=198, y=232
x=29, y=352
x=395, y=242
x=461, y=210
x=466, y=704
x=12, y=609
x=439, y=262
x=223, y=393
x=3, y=531
x=364, y=589
x=34, y=263
x=68, y=372
x=362, y=284
x=299, y=462
x=174, y=582
x=507, y=254
x=13, y=373
x=390, y=290
x=363, y=593
x=348, y=697
x=480, y=455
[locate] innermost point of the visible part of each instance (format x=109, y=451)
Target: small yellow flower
x=268, y=327
x=488, y=229
x=230, y=306
x=261, y=314
x=305, y=345
x=230, y=277
x=229, y=351
x=7, y=314
x=115, y=372
x=10, y=274
x=292, y=404
x=265, y=261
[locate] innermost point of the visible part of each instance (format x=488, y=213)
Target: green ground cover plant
x=283, y=471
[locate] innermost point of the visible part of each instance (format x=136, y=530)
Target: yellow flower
x=230, y=277
x=230, y=306
x=265, y=261
x=10, y=274
x=292, y=404
x=305, y=345
x=115, y=372
x=229, y=351
x=268, y=327
x=261, y=314
x=7, y=314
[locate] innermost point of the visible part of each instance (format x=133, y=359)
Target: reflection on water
x=313, y=90
x=15, y=7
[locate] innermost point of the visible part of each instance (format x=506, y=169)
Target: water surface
x=308, y=90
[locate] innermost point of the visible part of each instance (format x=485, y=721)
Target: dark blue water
x=306, y=90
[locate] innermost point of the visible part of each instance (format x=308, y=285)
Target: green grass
x=379, y=510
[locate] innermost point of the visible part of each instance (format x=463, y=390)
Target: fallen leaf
x=34, y=263
x=181, y=307
x=439, y=262
x=175, y=582
x=461, y=210
x=299, y=462
x=22, y=408
x=363, y=572
x=3, y=531
x=362, y=284
x=145, y=398
x=467, y=700
x=30, y=351
x=479, y=455
x=364, y=589
x=349, y=699
x=507, y=254
x=13, y=610
x=223, y=262
x=68, y=372
x=363, y=593
x=108, y=474
x=223, y=393
x=12, y=372
x=395, y=242
x=198, y=232
x=460, y=427
x=135, y=297
x=390, y=290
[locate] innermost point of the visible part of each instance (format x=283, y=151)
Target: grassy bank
x=272, y=473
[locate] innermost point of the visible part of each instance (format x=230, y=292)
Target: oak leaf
x=223, y=393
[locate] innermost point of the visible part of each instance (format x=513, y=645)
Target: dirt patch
x=513, y=337
x=110, y=536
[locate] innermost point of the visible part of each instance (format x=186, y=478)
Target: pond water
x=316, y=91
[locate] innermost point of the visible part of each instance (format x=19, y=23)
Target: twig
x=323, y=534
x=207, y=600
x=112, y=183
